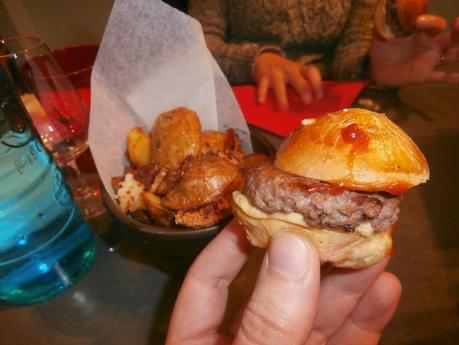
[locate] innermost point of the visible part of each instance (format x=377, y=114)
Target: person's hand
x=276, y=72
x=290, y=304
x=415, y=58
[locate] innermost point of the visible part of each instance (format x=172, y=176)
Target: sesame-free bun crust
x=357, y=149
x=341, y=249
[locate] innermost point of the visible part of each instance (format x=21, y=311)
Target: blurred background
x=69, y=22
x=59, y=23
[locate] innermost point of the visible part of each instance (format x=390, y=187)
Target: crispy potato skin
x=176, y=135
x=155, y=209
x=204, y=216
x=226, y=142
x=203, y=179
x=212, y=141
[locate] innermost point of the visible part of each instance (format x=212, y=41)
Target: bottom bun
x=341, y=249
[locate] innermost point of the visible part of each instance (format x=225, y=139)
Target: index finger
x=262, y=89
x=200, y=306
x=340, y=291
x=312, y=73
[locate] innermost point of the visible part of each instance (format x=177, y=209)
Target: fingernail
x=288, y=255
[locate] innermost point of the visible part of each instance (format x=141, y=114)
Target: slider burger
x=337, y=180
x=396, y=18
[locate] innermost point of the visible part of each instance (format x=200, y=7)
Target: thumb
x=283, y=305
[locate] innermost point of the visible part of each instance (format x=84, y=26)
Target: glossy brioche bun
x=341, y=249
x=354, y=148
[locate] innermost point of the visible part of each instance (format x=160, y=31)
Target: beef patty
x=322, y=205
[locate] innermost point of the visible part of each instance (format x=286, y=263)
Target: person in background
x=300, y=43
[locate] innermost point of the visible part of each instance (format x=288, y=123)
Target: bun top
x=354, y=148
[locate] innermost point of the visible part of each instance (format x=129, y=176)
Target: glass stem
x=86, y=195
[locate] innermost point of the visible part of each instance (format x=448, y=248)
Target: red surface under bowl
x=77, y=62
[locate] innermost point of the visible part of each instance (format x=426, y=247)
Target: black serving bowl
x=173, y=248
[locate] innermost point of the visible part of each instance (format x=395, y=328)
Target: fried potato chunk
x=225, y=142
x=138, y=147
x=155, y=210
x=204, y=216
x=212, y=141
x=176, y=135
x=203, y=179
x=167, y=182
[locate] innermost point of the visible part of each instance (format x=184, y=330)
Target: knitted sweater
x=333, y=34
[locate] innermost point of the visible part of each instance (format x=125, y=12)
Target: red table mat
x=337, y=95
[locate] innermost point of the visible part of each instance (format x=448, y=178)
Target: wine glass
x=56, y=109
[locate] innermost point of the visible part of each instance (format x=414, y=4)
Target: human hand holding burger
x=409, y=46
x=290, y=303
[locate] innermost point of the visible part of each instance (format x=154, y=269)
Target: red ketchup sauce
x=359, y=140
x=352, y=134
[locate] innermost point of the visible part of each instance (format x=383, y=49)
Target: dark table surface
x=126, y=299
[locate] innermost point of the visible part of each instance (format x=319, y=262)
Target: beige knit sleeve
x=234, y=59
x=351, y=54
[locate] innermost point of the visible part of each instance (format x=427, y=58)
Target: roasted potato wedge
x=225, y=142
x=175, y=136
x=202, y=180
x=155, y=210
x=168, y=182
x=138, y=147
x=212, y=141
x=204, y=216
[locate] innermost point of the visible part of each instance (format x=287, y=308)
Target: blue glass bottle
x=45, y=243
